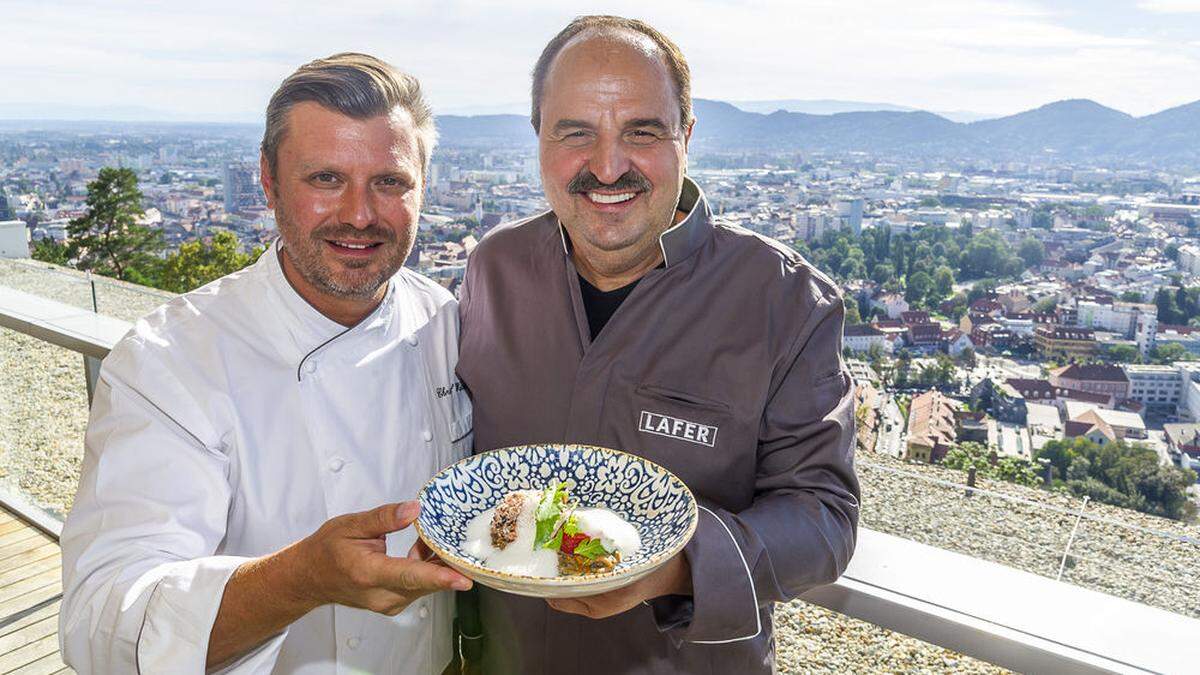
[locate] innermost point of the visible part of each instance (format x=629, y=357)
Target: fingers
x=381, y=520
x=406, y=575
x=421, y=551
x=569, y=606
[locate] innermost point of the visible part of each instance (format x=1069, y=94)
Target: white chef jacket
x=231, y=422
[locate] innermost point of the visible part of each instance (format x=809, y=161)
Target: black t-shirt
x=601, y=305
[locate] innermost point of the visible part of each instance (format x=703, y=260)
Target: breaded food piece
x=504, y=521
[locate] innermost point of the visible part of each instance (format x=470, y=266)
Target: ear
x=267, y=180
x=687, y=133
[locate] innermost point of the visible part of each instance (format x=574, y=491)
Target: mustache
x=630, y=181
x=343, y=231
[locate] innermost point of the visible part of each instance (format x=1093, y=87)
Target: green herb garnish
x=591, y=549
x=549, y=509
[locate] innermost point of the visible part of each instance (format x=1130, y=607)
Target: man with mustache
x=248, y=440
x=628, y=317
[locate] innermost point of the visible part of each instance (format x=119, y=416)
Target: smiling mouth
x=353, y=247
x=618, y=198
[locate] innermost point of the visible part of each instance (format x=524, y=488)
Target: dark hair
x=681, y=75
x=356, y=85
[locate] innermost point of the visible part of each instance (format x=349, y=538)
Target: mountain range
x=1071, y=131
x=1076, y=130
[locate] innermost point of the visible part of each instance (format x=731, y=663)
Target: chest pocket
x=668, y=417
x=456, y=414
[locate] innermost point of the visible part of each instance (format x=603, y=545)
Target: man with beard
x=248, y=440
x=628, y=317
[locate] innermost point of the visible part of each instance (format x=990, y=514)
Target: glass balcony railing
x=1146, y=560
x=99, y=294
x=1103, y=548
x=43, y=414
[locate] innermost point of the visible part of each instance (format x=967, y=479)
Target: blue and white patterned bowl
x=651, y=498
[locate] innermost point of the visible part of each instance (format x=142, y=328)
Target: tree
x=1046, y=305
x=970, y=454
x=1168, y=310
x=1170, y=352
x=108, y=238
x=852, y=315
x=918, y=287
x=50, y=251
x=1124, y=475
x=1131, y=296
x=197, y=263
x=883, y=273
x=1123, y=354
x=1032, y=252
x=943, y=283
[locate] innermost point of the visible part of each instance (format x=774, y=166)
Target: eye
x=641, y=137
x=324, y=178
x=576, y=138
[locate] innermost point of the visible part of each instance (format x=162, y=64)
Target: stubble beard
x=305, y=254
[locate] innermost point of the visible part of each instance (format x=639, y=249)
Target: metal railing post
x=91, y=373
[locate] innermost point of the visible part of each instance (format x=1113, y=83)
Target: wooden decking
x=30, y=594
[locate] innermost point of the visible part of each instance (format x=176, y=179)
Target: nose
x=358, y=207
x=609, y=161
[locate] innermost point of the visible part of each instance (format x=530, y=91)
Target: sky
x=220, y=60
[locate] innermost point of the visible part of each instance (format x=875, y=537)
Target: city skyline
x=221, y=61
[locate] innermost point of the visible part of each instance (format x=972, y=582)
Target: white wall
x=14, y=239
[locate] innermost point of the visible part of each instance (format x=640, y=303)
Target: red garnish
x=570, y=541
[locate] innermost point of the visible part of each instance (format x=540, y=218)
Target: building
x=1183, y=445
x=850, y=213
x=863, y=337
x=1131, y=320
x=1126, y=425
x=1000, y=400
x=955, y=342
x=1094, y=378
x=241, y=187
x=1189, y=259
x=991, y=335
x=924, y=336
x=932, y=427
x=1044, y=423
x=1064, y=342
x=1155, y=386
x=14, y=239
x=893, y=304
x=1187, y=337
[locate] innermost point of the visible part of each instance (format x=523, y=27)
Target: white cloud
x=227, y=56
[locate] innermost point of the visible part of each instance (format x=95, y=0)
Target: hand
x=346, y=562
x=674, y=577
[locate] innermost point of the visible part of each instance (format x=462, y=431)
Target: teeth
x=610, y=199
x=354, y=246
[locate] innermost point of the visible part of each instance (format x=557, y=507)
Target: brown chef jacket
x=724, y=366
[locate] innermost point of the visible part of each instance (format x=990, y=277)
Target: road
x=890, y=440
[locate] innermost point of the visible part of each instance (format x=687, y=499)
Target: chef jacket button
x=427, y=435
x=353, y=642
x=336, y=464
x=310, y=367
x=423, y=612
x=412, y=340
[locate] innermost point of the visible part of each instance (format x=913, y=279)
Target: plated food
x=545, y=533
x=556, y=520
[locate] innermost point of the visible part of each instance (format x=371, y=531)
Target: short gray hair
x=356, y=85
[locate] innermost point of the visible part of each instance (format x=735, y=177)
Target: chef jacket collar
x=309, y=328
x=682, y=239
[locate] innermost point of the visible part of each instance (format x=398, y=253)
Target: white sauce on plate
x=519, y=557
